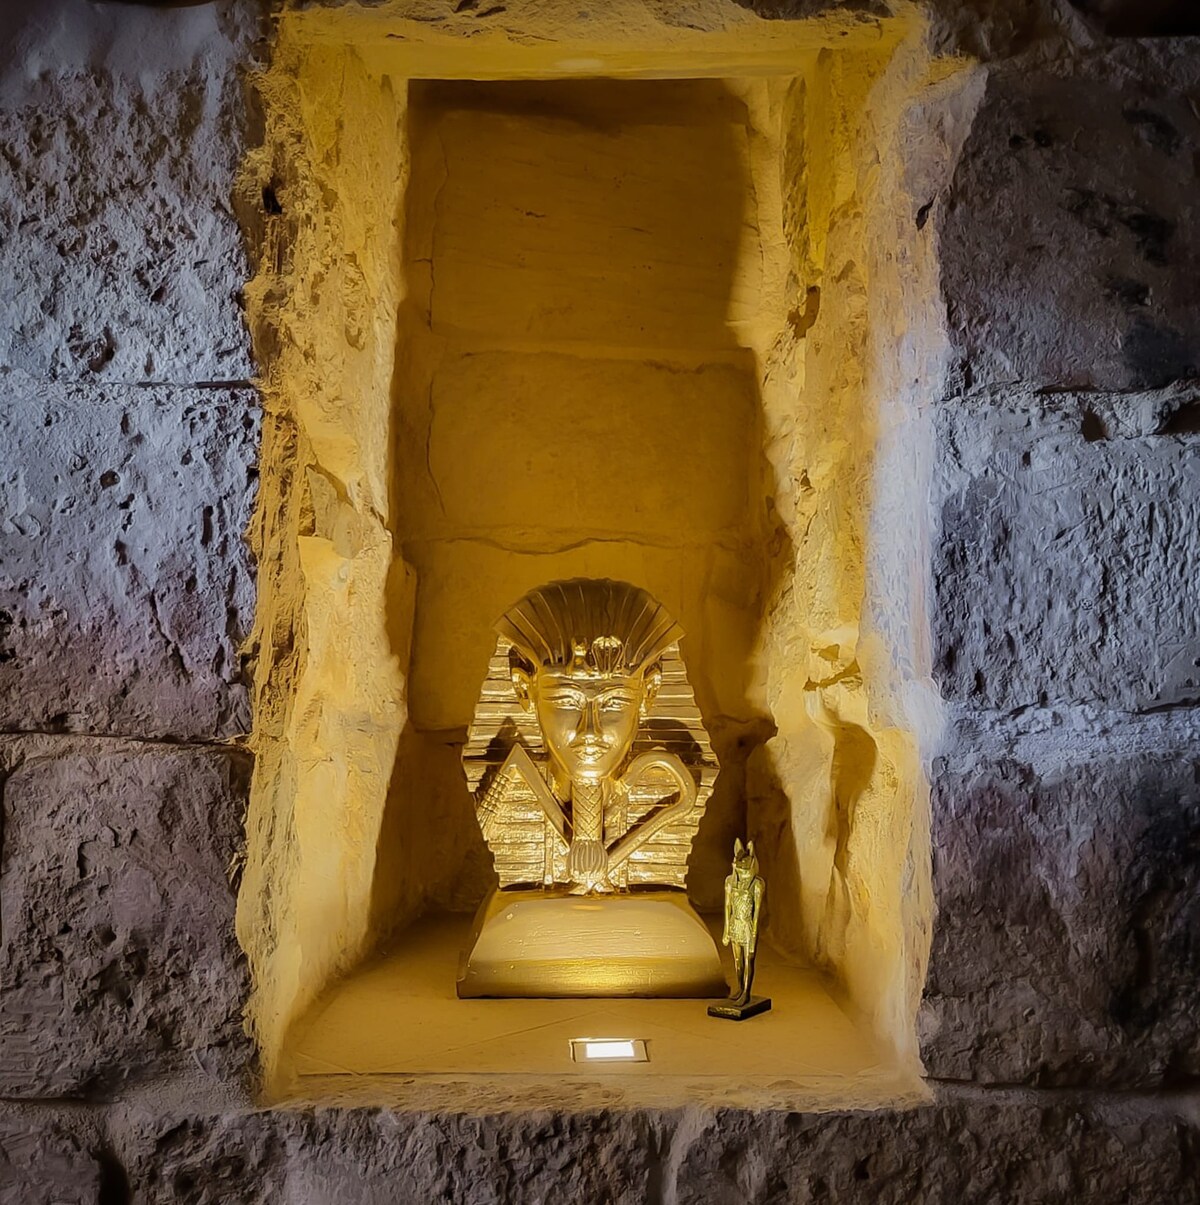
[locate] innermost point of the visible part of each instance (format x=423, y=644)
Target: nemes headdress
x=589, y=626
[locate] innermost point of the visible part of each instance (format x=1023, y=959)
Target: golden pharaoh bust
x=590, y=768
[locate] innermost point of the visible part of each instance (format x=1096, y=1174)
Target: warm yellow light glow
x=804, y=394
x=611, y=1050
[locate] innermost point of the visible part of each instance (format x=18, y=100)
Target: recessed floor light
x=609, y=1050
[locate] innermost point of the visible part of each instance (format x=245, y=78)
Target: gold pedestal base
x=534, y=943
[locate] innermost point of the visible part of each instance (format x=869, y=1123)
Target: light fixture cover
x=609, y=1050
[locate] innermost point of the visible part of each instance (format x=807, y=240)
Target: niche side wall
x=329, y=692
x=839, y=796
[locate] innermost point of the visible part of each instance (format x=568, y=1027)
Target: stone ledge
x=118, y=959
x=134, y=626
x=1068, y=890
x=969, y=1146
x=966, y=1147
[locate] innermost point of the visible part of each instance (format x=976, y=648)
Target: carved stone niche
x=603, y=298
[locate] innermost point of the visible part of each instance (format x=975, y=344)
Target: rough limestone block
x=353, y=1156
x=520, y=482
x=592, y=189
x=43, y=1163
x=1066, y=948
x=125, y=585
x=118, y=959
x=1068, y=565
x=959, y=1150
x=1070, y=235
x=207, y=1158
x=120, y=139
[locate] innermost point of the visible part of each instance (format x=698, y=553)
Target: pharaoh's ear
x=522, y=686
x=651, y=682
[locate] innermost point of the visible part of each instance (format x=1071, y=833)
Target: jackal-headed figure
x=744, y=891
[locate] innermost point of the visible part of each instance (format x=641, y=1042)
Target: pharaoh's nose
x=589, y=727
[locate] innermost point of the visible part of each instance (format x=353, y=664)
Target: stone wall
x=128, y=459
x=1059, y=1026
x=1067, y=583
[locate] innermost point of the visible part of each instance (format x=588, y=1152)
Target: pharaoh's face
x=588, y=723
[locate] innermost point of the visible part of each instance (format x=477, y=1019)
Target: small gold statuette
x=590, y=768
x=744, y=892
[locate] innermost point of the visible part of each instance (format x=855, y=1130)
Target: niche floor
x=395, y=1033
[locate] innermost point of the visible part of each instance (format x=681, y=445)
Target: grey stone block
x=125, y=584
x=376, y=1156
x=1069, y=236
x=960, y=1149
x=214, y=1158
x=1068, y=564
x=1138, y=19
x=42, y=1162
x=1066, y=948
x=118, y=959
x=120, y=139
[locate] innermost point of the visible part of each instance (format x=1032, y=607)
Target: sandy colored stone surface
x=118, y=959
x=437, y=433
x=1068, y=568
x=1079, y=197
x=508, y=429
x=709, y=586
x=126, y=587
x=587, y=188
x=394, y=1033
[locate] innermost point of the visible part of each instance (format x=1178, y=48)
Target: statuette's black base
x=731, y=1011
